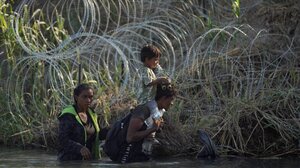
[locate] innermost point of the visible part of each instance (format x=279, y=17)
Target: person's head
x=83, y=95
x=165, y=94
x=150, y=55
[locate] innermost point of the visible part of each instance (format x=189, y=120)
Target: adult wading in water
x=79, y=131
x=131, y=148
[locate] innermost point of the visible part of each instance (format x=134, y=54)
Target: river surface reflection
x=42, y=159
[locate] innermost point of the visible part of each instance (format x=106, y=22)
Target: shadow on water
x=37, y=159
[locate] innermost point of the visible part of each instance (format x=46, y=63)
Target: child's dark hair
x=80, y=88
x=165, y=89
x=149, y=51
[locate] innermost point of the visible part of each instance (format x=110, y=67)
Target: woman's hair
x=80, y=88
x=165, y=89
x=149, y=51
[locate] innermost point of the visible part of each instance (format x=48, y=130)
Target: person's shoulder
x=66, y=116
x=68, y=108
x=142, y=107
x=143, y=69
x=92, y=110
x=141, y=111
x=67, y=111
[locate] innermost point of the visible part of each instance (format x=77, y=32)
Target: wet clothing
x=132, y=152
x=73, y=136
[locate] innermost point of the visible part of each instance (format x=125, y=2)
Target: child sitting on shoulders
x=150, y=56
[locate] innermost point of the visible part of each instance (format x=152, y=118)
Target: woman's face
x=85, y=98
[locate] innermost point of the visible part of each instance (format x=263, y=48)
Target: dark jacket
x=72, y=135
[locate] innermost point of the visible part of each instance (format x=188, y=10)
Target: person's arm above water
x=65, y=128
x=66, y=123
x=133, y=133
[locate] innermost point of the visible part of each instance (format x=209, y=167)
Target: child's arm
x=159, y=71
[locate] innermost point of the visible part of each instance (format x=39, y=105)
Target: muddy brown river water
x=17, y=158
